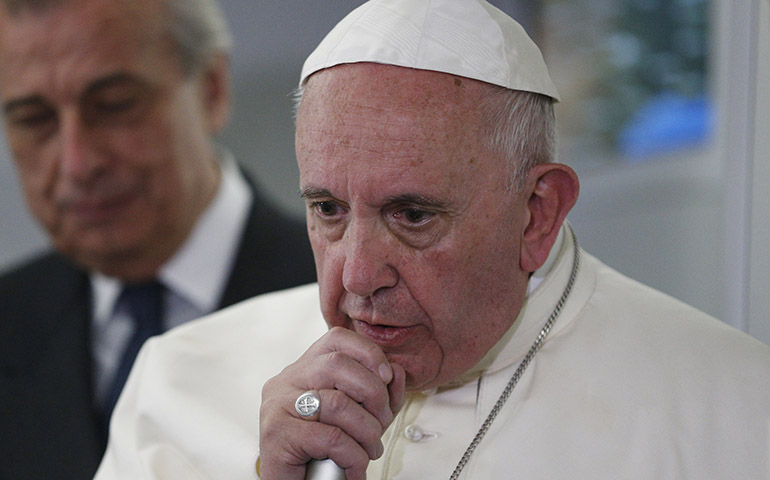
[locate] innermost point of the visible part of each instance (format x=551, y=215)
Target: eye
x=114, y=108
x=417, y=226
x=414, y=216
x=119, y=101
x=117, y=105
x=327, y=209
x=29, y=118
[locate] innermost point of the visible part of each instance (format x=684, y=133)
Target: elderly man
x=463, y=332
x=110, y=108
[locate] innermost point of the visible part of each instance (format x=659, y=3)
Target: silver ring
x=307, y=404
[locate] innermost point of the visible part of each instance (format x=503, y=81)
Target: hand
x=360, y=392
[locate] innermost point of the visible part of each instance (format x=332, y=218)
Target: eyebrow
x=311, y=193
x=105, y=82
x=15, y=104
x=415, y=199
x=418, y=200
x=117, y=78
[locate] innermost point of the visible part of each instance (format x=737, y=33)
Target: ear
x=552, y=191
x=215, y=83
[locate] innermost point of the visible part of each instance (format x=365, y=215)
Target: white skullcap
x=469, y=38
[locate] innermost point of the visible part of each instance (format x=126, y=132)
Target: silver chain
x=523, y=365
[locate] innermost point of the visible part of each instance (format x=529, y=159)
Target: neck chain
x=523, y=365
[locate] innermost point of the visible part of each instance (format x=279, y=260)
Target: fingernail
x=386, y=374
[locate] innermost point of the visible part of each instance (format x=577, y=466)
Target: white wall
x=698, y=227
x=659, y=223
x=19, y=235
x=758, y=317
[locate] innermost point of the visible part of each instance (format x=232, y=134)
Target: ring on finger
x=308, y=404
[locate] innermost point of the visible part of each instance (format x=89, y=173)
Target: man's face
x=416, y=237
x=110, y=139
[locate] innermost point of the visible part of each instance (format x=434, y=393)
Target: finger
x=347, y=375
x=397, y=388
x=333, y=370
x=334, y=363
x=347, y=372
x=285, y=449
x=340, y=410
x=308, y=405
x=344, y=454
x=357, y=347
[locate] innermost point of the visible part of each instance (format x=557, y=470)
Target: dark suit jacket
x=49, y=428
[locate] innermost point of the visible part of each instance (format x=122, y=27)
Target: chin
x=417, y=377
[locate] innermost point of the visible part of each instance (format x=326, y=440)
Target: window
x=633, y=74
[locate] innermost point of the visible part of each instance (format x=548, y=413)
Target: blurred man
x=110, y=109
x=468, y=334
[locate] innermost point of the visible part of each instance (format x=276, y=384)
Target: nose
x=78, y=159
x=367, y=268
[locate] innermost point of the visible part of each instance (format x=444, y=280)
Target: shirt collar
x=199, y=269
x=105, y=293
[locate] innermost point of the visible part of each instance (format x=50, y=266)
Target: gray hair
x=197, y=27
x=200, y=31
x=15, y=7
x=520, y=126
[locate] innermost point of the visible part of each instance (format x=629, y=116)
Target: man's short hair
x=198, y=28
x=200, y=31
x=521, y=126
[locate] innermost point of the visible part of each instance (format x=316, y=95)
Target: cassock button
x=414, y=433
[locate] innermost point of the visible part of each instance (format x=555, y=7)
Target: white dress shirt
x=194, y=277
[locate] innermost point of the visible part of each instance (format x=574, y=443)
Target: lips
x=383, y=335
x=99, y=211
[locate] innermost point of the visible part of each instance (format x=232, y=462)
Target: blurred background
x=661, y=116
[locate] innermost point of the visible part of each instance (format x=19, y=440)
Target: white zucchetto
x=468, y=38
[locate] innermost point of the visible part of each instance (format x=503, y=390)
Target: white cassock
x=629, y=384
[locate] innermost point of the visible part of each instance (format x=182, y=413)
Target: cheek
x=38, y=180
x=161, y=135
x=329, y=271
x=150, y=156
x=152, y=145
x=474, y=278
x=318, y=246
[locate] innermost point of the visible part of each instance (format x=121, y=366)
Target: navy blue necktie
x=144, y=302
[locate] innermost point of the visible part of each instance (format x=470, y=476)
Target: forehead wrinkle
x=364, y=142
x=395, y=118
x=58, y=41
x=389, y=134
